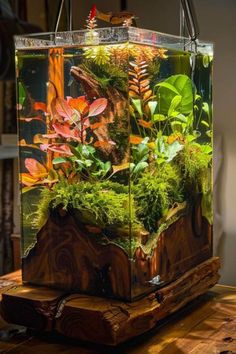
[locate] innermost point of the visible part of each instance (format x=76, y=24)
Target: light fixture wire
x=69, y=16
x=188, y=17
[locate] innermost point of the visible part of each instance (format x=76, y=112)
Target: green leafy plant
x=140, y=155
x=177, y=91
x=85, y=163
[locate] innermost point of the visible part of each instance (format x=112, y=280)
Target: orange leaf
x=134, y=81
x=144, y=83
x=35, y=168
x=132, y=94
x=135, y=139
x=134, y=88
x=40, y=106
x=97, y=125
x=147, y=95
x=40, y=139
x=122, y=167
x=144, y=123
x=104, y=144
x=27, y=179
x=132, y=73
x=143, y=75
x=80, y=104
x=23, y=143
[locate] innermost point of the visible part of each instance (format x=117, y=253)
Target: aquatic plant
x=70, y=120
x=195, y=160
x=91, y=21
x=84, y=163
x=177, y=87
x=139, y=87
x=106, y=75
x=140, y=155
x=100, y=204
x=121, y=53
x=92, y=153
x=99, y=55
x=37, y=174
x=155, y=192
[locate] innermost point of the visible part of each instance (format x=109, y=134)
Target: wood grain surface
x=67, y=257
x=206, y=325
x=102, y=320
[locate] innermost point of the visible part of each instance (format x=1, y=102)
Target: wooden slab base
x=103, y=320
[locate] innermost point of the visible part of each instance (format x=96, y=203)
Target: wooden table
x=205, y=326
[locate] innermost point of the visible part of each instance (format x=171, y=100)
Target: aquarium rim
x=110, y=35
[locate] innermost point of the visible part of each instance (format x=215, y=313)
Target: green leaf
x=173, y=150
x=190, y=138
x=86, y=162
x=177, y=126
x=152, y=106
x=182, y=118
x=206, y=60
x=203, y=122
x=209, y=133
x=140, y=152
x=197, y=133
x=205, y=108
x=198, y=97
x=159, y=117
x=176, y=85
x=174, y=104
x=21, y=93
x=58, y=160
x=138, y=105
x=131, y=166
x=107, y=166
x=140, y=167
x=168, y=86
x=207, y=149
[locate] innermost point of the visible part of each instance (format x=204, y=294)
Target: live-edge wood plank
x=199, y=328
x=101, y=320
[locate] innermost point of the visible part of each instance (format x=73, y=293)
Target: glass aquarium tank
x=115, y=140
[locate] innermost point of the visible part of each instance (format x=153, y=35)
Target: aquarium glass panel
x=115, y=141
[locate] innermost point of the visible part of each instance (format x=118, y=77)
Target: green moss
x=195, y=160
x=111, y=74
x=100, y=203
x=155, y=193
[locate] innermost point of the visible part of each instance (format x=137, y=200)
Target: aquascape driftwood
x=67, y=257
